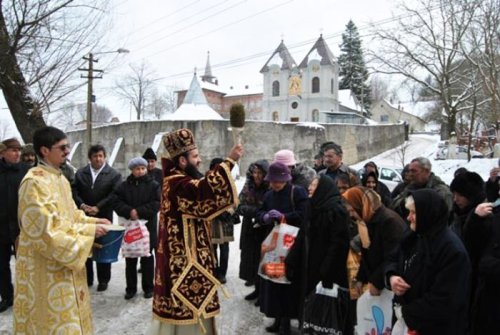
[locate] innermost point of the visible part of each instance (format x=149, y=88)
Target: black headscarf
x=326, y=195
x=431, y=211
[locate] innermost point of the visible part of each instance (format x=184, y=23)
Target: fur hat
x=179, y=142
x=149, y=154
x=137, y=161
x=285, y=156
x=469, y=184
x=12, y=143
x=278, y=172
x=28, y=149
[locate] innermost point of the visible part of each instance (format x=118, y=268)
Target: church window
x=315, y=115
x=275, y=116
x=315, y=85
x=331, y=86
x=295, y=104
x=276, y=88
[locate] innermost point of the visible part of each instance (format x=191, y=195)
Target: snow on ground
x=114, y=315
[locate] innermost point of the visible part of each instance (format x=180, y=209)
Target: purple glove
x=272, y=216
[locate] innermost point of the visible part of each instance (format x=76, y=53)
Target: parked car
x=390, y=176
x=460, y=153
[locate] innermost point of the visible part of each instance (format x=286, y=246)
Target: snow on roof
x=347, y=99
x=244, y=90
x=212, y=87
x=194, y=112
x=418, y=108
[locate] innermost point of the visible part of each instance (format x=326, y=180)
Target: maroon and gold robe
x=185, y=288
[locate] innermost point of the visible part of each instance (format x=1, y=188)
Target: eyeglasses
x=62, y=147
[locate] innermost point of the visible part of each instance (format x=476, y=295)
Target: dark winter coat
x=324, y=239
x=99, y=193
x=385, y=229
x=251, y=199
x=343, y=169
x=281, y=300
x=10, y=179
x=492, y=188
x=157, y=175
x=434, y=262
x=435, y=183
x=143, y=195
x=485, y=257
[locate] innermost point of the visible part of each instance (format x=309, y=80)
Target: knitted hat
x=179, y=142
x=469, y=184
x=12, y=143
x=149, y=154
x=137, y=161
x=28, y=149
x=278, y=172
x=286, y=157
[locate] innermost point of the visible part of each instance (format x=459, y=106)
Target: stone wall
x=261, y=139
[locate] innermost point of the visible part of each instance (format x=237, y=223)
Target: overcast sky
x=173, y=38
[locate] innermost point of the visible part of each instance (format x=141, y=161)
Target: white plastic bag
x=400, y=327
x=374, y=313
x=274, y=250
x=136, y=238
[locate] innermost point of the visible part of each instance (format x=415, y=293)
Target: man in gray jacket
x=93, y=189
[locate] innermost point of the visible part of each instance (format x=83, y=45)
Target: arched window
x=315, y=115
x=315, y=85
x=275, y=116
x=276, y=88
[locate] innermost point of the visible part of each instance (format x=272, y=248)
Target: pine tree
x=352, y=66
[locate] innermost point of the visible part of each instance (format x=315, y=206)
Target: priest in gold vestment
x=51, y=294
x=185, y=294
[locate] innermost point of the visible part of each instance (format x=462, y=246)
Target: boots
x=275, y=327
x=284, y=328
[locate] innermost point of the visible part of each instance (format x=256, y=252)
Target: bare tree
x=70, y=115
x=426, y=44
x=482, y=50
x=379, y=88
x=137, y=87
x=402, y=153
x=41, y=44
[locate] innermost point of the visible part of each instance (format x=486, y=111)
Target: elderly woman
x=251, y=237
x=284, y=201
x=430, y=271
x=380, y=230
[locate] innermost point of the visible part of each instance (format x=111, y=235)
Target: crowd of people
x=434, y=246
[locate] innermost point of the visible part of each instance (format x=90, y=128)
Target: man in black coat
x=12, y=172
x=92, y=191
x=493, y=184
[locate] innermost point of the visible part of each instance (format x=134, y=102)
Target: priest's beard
x=192, y=171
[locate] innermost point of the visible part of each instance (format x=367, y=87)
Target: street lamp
x=90, y=76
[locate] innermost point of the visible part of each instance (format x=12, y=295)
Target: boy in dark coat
x=139, y=198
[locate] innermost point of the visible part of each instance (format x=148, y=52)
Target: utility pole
x=90, y=98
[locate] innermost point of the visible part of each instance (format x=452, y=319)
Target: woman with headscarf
x=430, y=271
x=380, y=230
x=287, y=202
x=369, y=179
x=251, y=198
x=320, y=253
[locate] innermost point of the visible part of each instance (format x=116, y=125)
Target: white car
x=390, y=176
x=460, y=153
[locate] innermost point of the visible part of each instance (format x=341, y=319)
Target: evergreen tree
x=352, y=66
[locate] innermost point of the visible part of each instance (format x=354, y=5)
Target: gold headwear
x=179, y=142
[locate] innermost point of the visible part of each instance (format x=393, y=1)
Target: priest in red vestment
x=185, y=294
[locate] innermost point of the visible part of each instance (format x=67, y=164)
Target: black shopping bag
x=325, y=311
